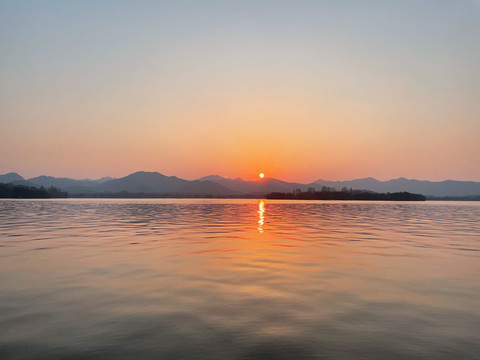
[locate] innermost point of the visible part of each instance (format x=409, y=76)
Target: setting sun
x=261, y=175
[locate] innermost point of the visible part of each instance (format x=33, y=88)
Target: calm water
x=239, y=279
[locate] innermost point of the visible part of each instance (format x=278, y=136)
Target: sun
x=261, y=175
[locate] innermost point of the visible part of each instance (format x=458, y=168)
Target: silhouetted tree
x=329, y=194
x=30, y=192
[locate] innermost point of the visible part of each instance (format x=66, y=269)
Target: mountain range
x=156, y=183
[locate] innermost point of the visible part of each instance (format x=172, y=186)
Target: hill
x=258, y=187
x=157, y=183
x=11, y=178
x=428, y=188
x=154, y=182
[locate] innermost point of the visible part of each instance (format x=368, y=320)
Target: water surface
x=239, y=279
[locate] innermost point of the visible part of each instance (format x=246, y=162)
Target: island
x=345, y=194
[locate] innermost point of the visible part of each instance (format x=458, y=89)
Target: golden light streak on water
x=261, y=215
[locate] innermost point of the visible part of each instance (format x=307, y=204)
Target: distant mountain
x=259, y=187
x=10, y=178
x=62, y=183
x=73, y=186
x=154, y=183
x=205, y=188
x=103, y=179
x=216, y=178
x=142, y=181
x=428, y=188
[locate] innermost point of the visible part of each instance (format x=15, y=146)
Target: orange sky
x=298, y=91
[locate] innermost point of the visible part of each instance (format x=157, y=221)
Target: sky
x=299, y=90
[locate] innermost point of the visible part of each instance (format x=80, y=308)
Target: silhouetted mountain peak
x=10, y=177
x=45, y=177
x=213, y=178
x=369, y=179
x=145, y=174
x=154, y=182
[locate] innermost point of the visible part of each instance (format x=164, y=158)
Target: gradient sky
x=300, y=90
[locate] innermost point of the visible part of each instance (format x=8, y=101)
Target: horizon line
x=228, y=178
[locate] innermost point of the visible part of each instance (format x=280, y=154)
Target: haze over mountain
x=156, y=183
x=71, y=185
x=429, y=188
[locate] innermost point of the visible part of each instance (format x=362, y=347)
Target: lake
x=239, y=279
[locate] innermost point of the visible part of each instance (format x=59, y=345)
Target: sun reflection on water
x=261, y=215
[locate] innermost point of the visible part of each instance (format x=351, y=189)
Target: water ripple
x=238, y=279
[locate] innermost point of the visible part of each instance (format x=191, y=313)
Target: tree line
x=346, y=195
x=30, y=192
